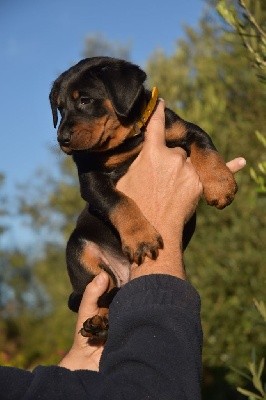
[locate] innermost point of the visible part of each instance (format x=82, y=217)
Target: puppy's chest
x=115, y=165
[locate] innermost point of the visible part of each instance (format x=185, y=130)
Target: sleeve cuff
x=157, y=290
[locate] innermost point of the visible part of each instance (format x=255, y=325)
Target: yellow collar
x=149, y=108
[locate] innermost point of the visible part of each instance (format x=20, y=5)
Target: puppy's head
x=99, y=100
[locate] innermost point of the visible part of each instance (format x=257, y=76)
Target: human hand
x=166, y=187
x=83, y=355
x=161, y=180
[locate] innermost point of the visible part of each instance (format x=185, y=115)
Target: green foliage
x=23, y=301
x=256, y=369
x=250, y=26
x=260, y=177
x=256, y=372
x=36, y=325
x=247, y=17
x=261, y=307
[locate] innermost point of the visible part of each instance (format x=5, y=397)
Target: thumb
x=89, y=306
x=155, y=132
x=236, y=164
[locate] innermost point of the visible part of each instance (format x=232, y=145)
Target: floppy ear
x=53, y=102
x=123, y=83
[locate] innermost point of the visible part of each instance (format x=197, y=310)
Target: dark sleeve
x=153, y=350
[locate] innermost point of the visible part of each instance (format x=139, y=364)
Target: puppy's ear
x=53, y=102
x=124, y=84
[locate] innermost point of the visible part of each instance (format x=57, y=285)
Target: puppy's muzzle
x=64, y=138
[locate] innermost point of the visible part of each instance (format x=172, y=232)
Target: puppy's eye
x=86, y=100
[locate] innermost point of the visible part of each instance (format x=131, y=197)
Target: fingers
x=155, y=132
x=88, y=306
x=236, y=165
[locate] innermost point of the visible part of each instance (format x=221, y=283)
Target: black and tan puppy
x=104, y=108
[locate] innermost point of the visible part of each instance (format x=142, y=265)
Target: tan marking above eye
x=75, y=94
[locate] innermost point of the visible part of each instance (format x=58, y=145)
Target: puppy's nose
x=64, y=138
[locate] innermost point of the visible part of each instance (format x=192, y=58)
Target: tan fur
x=117, y=159
x=75, y=94
x=219, y=186
x=177, y=131
x=134, y=232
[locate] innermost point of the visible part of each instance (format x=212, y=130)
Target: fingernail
x=242, y=162
x=100, y=279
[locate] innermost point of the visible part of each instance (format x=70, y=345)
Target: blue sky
x=41, y=38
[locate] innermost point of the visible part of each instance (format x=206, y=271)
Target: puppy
x=104, y=109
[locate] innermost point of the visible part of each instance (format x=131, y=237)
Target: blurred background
x=208, y=59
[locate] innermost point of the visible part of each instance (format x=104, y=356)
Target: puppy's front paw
x=138, y=237
x=141, y=241
x=219, y=187
x=95, y=329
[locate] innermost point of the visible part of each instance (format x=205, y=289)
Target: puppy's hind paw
x=96, y=330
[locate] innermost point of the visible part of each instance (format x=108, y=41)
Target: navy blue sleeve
x=153, y=350
x=154, y=346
